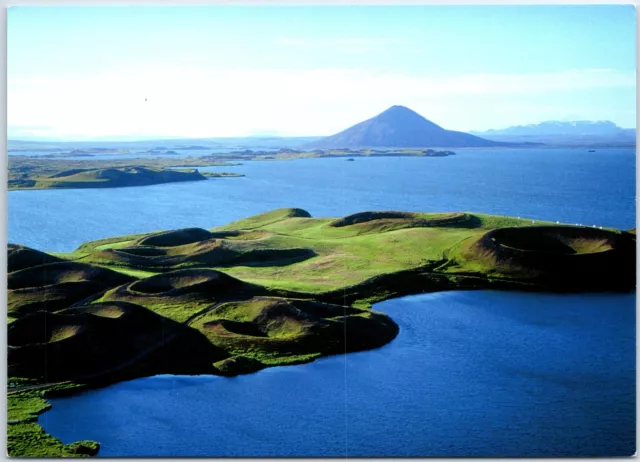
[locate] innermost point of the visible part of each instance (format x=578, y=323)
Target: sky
x=77, y=73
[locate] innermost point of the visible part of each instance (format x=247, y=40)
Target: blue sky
x=79, y=72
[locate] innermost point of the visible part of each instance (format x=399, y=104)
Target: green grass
x=273, y=360
x=25, y=438
x=263, y=219
x=131, y=272
x=498, y=221
x=109, y=242
x=240, y=311
x=345, y=255
x=30, y=440
x=177, y=309
x=346, y=259
x=114, y=245
x=26, y=406
x=68, y=255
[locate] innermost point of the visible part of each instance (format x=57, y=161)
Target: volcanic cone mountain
x=400, y=127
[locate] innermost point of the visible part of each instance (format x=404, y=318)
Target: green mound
x=191, y=281
x=55, y=286
x=268, y=218
x=179, y=295
x=21, y=257
x=566, y=258
x=42, y=327
x=104, y=341
x=375, y=222
x=212, y=252
x=364, y=217
x=66, y=271
x=276, y=329
x=177, y=237
x=181, y=249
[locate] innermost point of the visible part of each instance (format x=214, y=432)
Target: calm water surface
x=570, y=185
x=471, y=373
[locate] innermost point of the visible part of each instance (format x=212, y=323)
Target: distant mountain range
x=574, y=133
x=400, y=127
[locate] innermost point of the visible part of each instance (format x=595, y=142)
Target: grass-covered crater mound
x=62, y=272
x=21, y=257
x=559, y=256
x=196, y=248
x=177, y=237
x=387, y=220
x=114, y=339
x=553, y=240
x=275, y=329
x=53, y=286
x=180, y=295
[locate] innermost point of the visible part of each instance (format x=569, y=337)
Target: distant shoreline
x=12, y=152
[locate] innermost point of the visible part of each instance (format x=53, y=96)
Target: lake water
x=571, y=185
x=470, y=374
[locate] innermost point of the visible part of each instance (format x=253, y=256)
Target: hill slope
x=399, y=126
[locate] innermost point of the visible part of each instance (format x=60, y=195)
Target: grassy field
x=288, y=250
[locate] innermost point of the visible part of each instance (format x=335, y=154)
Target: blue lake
x=571, y=185
x=470, y=374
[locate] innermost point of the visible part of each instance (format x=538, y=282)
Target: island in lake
x=33, y=172
x=280, y=288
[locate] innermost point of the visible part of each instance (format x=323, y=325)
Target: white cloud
x=197, y=101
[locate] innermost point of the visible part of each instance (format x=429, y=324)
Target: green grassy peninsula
x=278, y=288
x=105, y=178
